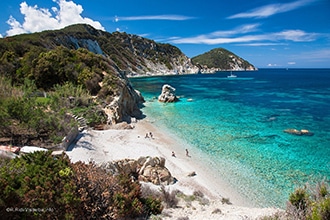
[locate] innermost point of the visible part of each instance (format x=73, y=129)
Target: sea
x=238, y=124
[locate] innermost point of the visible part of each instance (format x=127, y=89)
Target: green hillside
x=222, y=59
x=24, y=55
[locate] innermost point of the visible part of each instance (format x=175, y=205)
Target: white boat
x=231, y=75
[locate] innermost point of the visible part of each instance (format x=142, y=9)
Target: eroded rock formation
x=168, y=94
x=125, y=106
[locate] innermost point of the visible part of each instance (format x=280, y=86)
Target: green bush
x=41, y=186
x=299, y=199
x=105, y=196
x=153, y=205
x=30, y=120
x=321, y=210
x=33, y=187
x=128, y=197
x=311, y=203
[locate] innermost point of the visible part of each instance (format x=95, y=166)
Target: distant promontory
x=220, y=59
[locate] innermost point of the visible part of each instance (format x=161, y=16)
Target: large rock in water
x=168, y=94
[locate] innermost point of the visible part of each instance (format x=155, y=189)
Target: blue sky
x=267, y=33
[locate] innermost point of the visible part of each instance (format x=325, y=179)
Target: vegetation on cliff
x=123, y=52
x=221, y=59
x=46, y=75
x=31, y=117
x=79, y=56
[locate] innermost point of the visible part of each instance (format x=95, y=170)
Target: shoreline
x=114, y=144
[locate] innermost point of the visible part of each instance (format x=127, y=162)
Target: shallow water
x=238, y=124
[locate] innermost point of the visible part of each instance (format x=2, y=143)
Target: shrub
x=95, y=190
x=127, y=197
x=104, y=196
x=33, y=187
x=198, y=193
x=29, y=120
x=321, y=210
x=169, y=198
x=153, y=205
x=40, y=186
x=299, y=199
x=312, y=203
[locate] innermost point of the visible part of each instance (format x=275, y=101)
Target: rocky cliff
x=131, y=54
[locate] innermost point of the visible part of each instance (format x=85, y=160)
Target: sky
x=267, y=33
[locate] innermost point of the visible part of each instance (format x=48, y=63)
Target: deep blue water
x=238, y=124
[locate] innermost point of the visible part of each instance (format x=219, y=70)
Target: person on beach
x=187, y=153
x=147, y=136
x=150, y=134
x=173, y=154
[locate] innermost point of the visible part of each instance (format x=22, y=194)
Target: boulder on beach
x=168, y=94
x=147, y=169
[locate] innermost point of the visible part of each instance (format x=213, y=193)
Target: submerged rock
x=298, y=132
x=168, y=94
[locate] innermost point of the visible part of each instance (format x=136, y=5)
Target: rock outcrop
x=125, y=105
x=168, y=94
x=146, y=169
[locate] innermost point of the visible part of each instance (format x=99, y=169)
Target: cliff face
x=131, y=54
x=125, y=104
x=141, y=56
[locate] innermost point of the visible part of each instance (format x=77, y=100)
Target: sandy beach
x=117, y=144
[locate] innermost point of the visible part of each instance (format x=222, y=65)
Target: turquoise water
x=238, y=125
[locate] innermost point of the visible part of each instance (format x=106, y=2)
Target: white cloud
x=295, y=35
x=154, y=17
x=238, y=30
x=205, y=39
x=291, y=63
x=261, y=44
x=237, y=36
x=315, y=55
x=16, y=27
x=38, y=19
x=272, y=9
